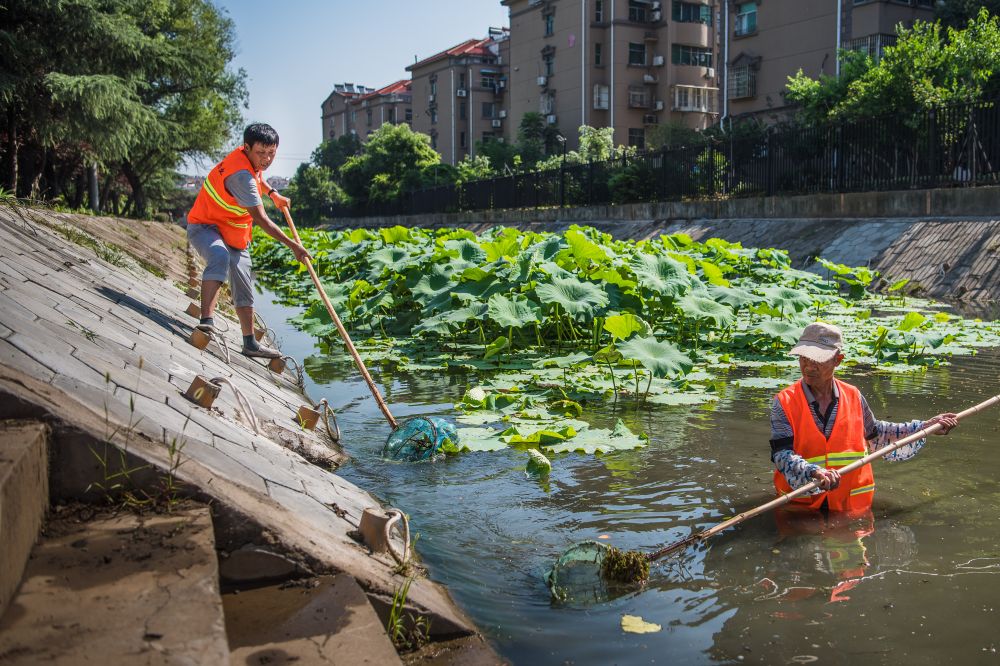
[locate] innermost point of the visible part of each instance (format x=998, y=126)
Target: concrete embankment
x=94, y=365
x=945, y=241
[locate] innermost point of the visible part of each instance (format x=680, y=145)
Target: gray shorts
x=223, y=262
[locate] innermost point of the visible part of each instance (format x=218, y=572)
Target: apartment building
x=337, y=116
x=769, y=41
x=626, y=64
x=459, y=95
x=390, y=104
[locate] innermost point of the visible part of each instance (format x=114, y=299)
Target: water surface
x=917, y=582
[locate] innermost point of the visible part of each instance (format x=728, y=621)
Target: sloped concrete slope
x=101, y=352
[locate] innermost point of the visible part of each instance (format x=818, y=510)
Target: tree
x=313, y=191
x=395, y=160
x=503, y=156
x=475, y=168
x=334, y=153
x=673, y=134
x=531, y=138
x=957, y=13
x=929, y=66
x=134, y=87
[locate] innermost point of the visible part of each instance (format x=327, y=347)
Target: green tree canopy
x=957, y=13
x=394, y=160
x=929, y=66
x=135, y=87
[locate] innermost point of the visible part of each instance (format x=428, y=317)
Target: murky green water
x=917, y=584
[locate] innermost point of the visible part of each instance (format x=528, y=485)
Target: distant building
x=626, y=64
x=459, y=95
x=391, y=104
x=338, y=118
x=278, y=182
x=766, y=42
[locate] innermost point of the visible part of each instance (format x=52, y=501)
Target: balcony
x=695, y=99
x=873, y=46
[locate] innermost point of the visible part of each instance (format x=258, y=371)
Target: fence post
x=590, y=182
x=769, y=165
x=932, y=141
x=973, y=142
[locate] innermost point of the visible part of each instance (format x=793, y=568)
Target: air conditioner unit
x=658, y=105
x=550, y=119
x=497, y=124
x=503, y=113
x=502, y=83
x=709, y=72
x=650, y=119
x=461, y=92
x=542, y=80
x=648, y=78
x=656, y=5
x=498, y=139
x=430, y=99
x=657, y=61
x=655, y=16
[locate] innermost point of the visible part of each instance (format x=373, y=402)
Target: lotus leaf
x=497, y=346
x=662, y=275
x=601, y=440
x=475, y=439
x=785, y=298
x=622, y=326
x=573, y=296
x=697, y=307
x=661, y=358
x=511, y=313
x=543, y=437
x=538, y=464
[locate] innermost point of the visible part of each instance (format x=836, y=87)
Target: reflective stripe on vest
x=870, y=488
x=235, y=210
x=837, y=459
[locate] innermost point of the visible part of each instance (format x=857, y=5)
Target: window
x=463, y=111
x=434, y=87
x=598, y=48
x=354, y=117
x=391, y=115
x=409, y=115
x=549, y=64
x=742, y=82
x=461, y=139
x=434, y=116
x=550, y=24
x=746, y=18
x=369, y=116
x=599, y=11
x=691, y=55
x=461, y=80
x=636, y=54
x=638, y=98
x=637, y=137
x=636, y=11
x=489, y=80
x=601, y=94
x=693, y=98
x=489, y=109
x=692, y=12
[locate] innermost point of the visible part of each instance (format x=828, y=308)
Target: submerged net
x=420, y=438
x=594, y=572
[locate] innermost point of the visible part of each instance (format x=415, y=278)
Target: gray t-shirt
x=243, y=188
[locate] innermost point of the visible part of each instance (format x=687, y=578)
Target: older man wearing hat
x=820, y=424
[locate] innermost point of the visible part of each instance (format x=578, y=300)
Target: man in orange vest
x=820, y=424
x=221, y=222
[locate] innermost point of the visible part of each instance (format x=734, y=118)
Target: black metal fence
x=942, y=147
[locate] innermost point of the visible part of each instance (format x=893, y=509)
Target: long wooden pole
x=798, y=492
x=343, y=331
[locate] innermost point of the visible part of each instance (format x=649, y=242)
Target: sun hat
x=819, y=342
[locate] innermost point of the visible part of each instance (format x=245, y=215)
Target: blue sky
x=295, y=51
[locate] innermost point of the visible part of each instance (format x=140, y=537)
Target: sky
x=295, y=51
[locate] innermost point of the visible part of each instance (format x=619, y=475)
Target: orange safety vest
x=215, y=205
x=846, y=445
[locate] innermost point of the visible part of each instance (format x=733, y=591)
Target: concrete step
x=24, y=497
x=119, y=589
x=326, y=623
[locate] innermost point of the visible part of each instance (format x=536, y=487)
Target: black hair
x=260, y=133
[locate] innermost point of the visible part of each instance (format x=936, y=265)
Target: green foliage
x=135, y=88
x=929, y=66
x=312, y=190
x=957, y=13
x=673, y=134
x=394, y=160
x=334, y=153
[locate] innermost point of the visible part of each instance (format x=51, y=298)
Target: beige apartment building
x=626, y=64
x=459, y=95
x=336, y=113
x=391, y=104
x=770, y=40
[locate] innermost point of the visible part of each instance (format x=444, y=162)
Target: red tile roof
x=401, y=86
x=468, y=47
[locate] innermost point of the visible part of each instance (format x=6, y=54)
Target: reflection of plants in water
x=563, y=322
